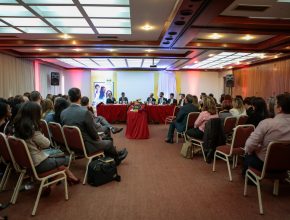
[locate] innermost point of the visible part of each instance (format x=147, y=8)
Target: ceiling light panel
x=105, y=2
x=98, y=22
x=14, y=11
x=114, y=30
x=119, y=63
x=38, y=30
x=9, y=1
x=55, y=2
x=8, y=30
x=2, y=24
x=74, y=30
x=88, y=62
x=25, y=22
x=68, y=22
x=103, y=63
x=134, y=62
x=107, y=12
x=71, y=62
x=57, y=11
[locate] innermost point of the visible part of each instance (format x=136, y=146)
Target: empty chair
x=58, y=137
x=169, y=119
x=45, y=130
x=224, y=152
x=75, y=142
x=242, y=119
x=23, y=159
x=191, y=118
x=276, y=164
x=229, y=125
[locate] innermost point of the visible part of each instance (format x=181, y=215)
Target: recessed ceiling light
x=215, y=36
x=65, y=36
x=111, y=50
x=40, y=49
x=198, y=44
x=77, y=49
x=196, y=61
x=149, y=50
x=147, y=27
x=211, y=55
x=276, y=56
x=230, y=67
x=247, y=37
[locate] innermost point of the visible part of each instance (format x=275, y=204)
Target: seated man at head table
x=123, y=99
x=151, y=99
x=161, y=99
x=181, y=100
x=172, y=100
x=110, y=99
x=102, y=124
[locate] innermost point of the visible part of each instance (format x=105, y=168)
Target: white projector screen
x=136, y=85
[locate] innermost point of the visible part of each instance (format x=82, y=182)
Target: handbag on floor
x=186, y=150
x=102, y=170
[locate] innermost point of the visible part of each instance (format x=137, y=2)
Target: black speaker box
x=54, y=79
x=230, y=82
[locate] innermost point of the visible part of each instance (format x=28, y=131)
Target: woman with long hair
x=47, y=107
x=238, y=108
x=260, y=111
x=26, y=124
x=59, y=105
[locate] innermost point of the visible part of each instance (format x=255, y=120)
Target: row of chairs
x=15, y=154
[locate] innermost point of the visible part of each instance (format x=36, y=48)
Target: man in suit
x=123, y=99
x=180, y=122
x=181, y=100
x=161, y=99
x=172, y=100
x=151, y=99
x=75, y=115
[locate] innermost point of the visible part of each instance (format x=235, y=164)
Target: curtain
x=167, y=83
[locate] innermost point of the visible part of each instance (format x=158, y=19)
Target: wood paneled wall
x=263, y=80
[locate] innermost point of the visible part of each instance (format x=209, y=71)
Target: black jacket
x=180, y=122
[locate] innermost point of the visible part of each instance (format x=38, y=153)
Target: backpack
x=102, y=170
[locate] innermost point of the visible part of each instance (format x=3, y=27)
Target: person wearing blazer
x=172, y=100
x=180, y=122
x=75, y=115
x=151, y=99
x=161, y=99
x=110, y=99
x=123, y=99
x=181, y=100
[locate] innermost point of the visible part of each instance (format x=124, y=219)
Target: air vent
x=259, y=8
x=205, y=39
x=107, y=37
x=8, y=37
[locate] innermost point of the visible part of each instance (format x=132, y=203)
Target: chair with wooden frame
x=23, y=159
x=224, y=152
x=45, y=130
x=229, y=125
x=169, y=119
x=75, y=142
x=59, y=139
x=191, y=118
x=242, y=119
x=276, y=164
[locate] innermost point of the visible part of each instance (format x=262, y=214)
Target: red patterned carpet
x=157, y=183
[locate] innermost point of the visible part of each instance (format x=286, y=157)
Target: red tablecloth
x=158, y=113
x=113, y=113
x=137, y=125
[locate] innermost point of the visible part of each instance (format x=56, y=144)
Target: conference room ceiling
x=179, y=34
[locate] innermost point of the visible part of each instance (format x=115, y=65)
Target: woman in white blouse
x=238, y=108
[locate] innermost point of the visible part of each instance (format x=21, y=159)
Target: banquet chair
x=191, y=118
x=242, y=119
x=75, y=142
x=45, y=130
x=23, y=159
x=229, y=125
x=276, y=164
x=169, y=119
x=58, y=137
x=224, y=152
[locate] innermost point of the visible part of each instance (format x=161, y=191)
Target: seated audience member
x=180, y=122
x=27, y=95
x=195, y=102
x=225, y=110
x=239, y=97
x=260, y=111
x=248, y=103
x=78, y=116
x=59, y=105
x=5, y=114
x=35, y=97
x=123, y=99
x=110, y=99
x=161, y=99
x=222, y=98
x=209, y=111
x=238, y=108
x=271, y=107
x=202, y=95
x=151, y=99
x=271, y=129
x=181, y=100
x=47, y=107
x=211, y=95
x=100, y=120
x=49, y=96
x=27, y=127
x=65, y=97
x=172, y=100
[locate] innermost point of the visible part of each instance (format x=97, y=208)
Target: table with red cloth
x=113, y=112
x=158, y=113
x=137, y=124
